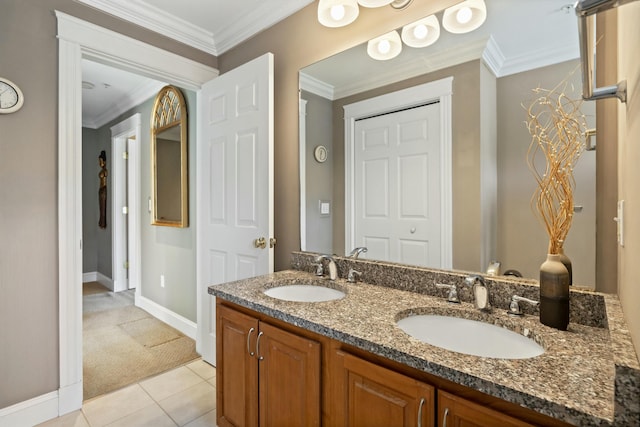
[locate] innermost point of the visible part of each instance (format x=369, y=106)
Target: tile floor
x=185, y=396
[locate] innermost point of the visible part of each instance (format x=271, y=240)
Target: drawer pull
x=258, y=346
x=249, y=342
x=420, y=412
x=444, y=417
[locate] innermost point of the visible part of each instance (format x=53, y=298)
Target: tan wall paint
x=28, y=190
x=629, y=173
x=296, y=42
x=517, y=241
x=607, y=158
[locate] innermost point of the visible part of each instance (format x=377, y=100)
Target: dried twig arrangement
x=558, y=128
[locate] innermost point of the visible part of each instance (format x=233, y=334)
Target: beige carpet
x=123, y=344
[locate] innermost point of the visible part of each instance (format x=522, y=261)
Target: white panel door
x=235, y=184
x=397, y=186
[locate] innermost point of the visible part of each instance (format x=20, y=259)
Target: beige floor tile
x=151, y=416
x=207, y=420
x=212, y=381
x=74, y=419
x=203, y=369
x=169, y=383
x=113, y=406
x=190, y=404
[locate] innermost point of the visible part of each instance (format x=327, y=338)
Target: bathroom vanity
x=346, y=362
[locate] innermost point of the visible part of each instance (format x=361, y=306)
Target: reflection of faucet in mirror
x=357, y=251
x=487, y=161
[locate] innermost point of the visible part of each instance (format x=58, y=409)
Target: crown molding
x=140, y=13
x=409, y=69
x=133, y=99
x=493, y=56
x=538, y=58
x=315, y=86
x=258, y=19
x=152, y=18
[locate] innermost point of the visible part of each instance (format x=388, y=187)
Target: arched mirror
x=170, y=197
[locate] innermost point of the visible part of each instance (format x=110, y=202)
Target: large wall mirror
x=170, y=205
x=523, y=45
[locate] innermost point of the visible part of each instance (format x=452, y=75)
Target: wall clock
x=320, y=153
x=11, y=98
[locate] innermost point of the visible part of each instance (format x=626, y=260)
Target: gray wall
x=319, y=176
x=91, y=147
x=28, y=190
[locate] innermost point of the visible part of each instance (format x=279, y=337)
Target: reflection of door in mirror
x=397, y=186
x=169, y=159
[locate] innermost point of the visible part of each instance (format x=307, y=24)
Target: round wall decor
x=11, y=98
x=320, y=153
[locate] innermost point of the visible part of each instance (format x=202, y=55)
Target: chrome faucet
x=480, y=291
x=357, y=251
x=452, y=295
x=332, y=266
x=514, y=306
x=353, y=275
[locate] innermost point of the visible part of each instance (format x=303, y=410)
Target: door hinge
x=126, y=265
x=125, y=210
x=125, y=155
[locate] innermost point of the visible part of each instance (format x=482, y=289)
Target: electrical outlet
x=162, y=280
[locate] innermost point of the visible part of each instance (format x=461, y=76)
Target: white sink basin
x=470, y=337
x=305, y=293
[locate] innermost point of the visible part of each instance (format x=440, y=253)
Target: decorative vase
x=554, y=293
x=567, y=263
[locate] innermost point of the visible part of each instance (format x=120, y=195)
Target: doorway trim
x=439, y=90
x=126, y=179
x=78, y=39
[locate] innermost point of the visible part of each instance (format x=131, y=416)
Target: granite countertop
x=574, y=380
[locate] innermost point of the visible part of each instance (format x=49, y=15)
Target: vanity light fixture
x=337, y=13
x=421, y=33
x=464, y=17
x=385, y=47
x=374, y=3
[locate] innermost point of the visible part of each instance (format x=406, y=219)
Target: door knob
x=260, y=243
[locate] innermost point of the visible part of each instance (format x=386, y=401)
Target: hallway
x=123, y=344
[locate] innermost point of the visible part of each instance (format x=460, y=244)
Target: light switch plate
x=620, y=220
x=325, y=207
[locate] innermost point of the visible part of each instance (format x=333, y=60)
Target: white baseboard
x=70, y=398
x=96, y=276
x=172, y=319
x=30, y=412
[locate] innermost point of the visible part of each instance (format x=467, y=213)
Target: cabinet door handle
x=249, y=342
x=258, y=346
x=444, y=417
x=420, y=412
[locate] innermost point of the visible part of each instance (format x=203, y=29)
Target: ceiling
x=517, y=35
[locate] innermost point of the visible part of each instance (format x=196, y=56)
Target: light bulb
x=420, y=32
x=384, y=47
x=337, y=12
x=464, y=15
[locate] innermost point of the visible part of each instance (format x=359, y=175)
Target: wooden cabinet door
x=289, y=371
x=454, y=411
x=237, y=370
x=378, y=397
